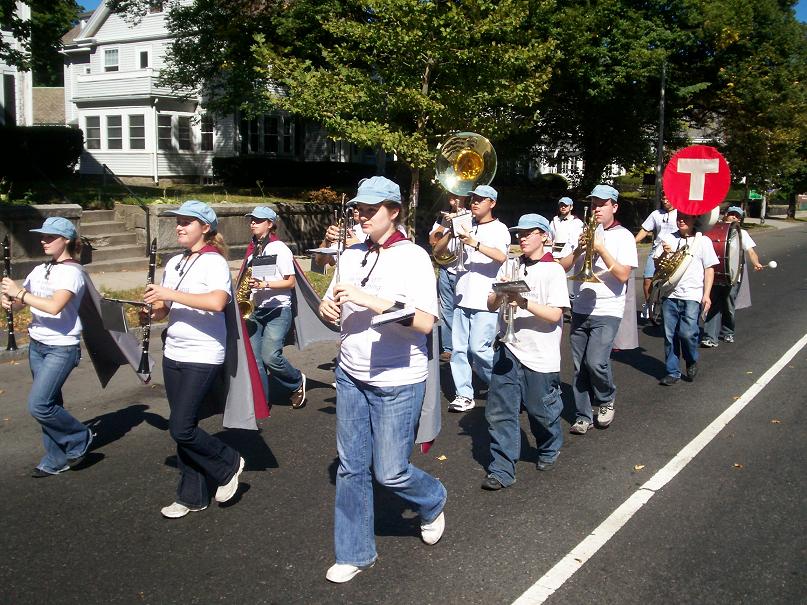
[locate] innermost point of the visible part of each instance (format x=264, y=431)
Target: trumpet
x=586, y=273
x=513, y=285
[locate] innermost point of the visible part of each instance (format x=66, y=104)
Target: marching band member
x=659, y=223
x=271, y=318
x=194, y=293
x=53, y=291
x=447, y=275
x=527, y=372
x=474, y=326
x=566, y=227
x=380, y=377
x=727, y=299
x=683, y=306
x=598, y=310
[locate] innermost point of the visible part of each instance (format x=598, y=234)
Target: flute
x=144, y=356
x=11, y=344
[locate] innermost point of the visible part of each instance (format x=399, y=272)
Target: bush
x=244, y=171
x=326, y=195
x=34, y=152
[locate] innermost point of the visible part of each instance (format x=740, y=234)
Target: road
x=728, y=528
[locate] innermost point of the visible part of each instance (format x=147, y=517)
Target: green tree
x=50, y=20
x=21, y=31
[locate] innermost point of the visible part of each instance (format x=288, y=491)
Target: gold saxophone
x=586, y=274
x=243, y=294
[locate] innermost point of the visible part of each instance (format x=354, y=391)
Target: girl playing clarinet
x=54, y=291
x=194, y=293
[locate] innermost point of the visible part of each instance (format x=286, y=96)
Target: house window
x=92, y=132
x=270, y=130
x=155, y=6
x=111, y=59
x=143, y=59
x=288, y=135
x=207, y=129
x=114, y=132
x=184, y=133
x=137, y=132
x=164, y=133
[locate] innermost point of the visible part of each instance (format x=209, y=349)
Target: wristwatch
x=477, y=246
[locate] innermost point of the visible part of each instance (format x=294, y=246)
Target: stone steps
x=114, y=247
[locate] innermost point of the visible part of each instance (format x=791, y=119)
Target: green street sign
x=753, y=195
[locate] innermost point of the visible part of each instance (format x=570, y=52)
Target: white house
x=138, y=128
x=16, y=105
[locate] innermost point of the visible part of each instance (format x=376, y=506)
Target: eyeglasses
x=253, y=219
x=526, y=234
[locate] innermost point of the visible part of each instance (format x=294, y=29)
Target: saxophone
x=243, y=294
x=586, y=274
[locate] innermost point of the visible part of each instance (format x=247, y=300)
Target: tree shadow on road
x=112, y=426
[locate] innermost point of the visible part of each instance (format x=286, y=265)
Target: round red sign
x=697, y=179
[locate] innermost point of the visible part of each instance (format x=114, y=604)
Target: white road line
x=568, y=565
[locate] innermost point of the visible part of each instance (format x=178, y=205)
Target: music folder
x=113, y=316
x=264, y=267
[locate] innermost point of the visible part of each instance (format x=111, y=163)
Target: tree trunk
x=414, y=195
x=791, y=205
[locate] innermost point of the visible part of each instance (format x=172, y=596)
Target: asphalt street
x=729, y=528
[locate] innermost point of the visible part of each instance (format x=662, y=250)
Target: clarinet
x=144, y=356
x=11, y=344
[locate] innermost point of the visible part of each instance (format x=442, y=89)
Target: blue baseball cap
x=565, y=201
x=57, y=225
x=736, y=209
x=264, y=212
x=485, y=191
x=377, y=189
x=605, y=192
x=196, y=209
x=528, y=222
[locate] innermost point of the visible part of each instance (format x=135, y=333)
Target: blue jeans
x=591, y=338
x=62, y=435
x=375, y=429
x=446, y=284
x=720, y=318
x=267, y=328
x=513, y=384
x=204, y=461
x=680, y=333
x=473, y=333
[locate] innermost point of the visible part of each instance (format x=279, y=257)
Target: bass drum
x=727, y=242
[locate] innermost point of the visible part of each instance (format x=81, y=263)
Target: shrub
x=326, y=195
x=34, y=152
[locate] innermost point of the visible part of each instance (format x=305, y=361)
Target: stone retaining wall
x=26, y=249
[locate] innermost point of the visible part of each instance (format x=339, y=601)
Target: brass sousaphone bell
x=464, y=160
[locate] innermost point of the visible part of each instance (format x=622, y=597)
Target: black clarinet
x=144, y=356
x=11, y=344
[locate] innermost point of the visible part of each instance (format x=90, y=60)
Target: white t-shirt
x=566, y=231
x=690, y=286
x=747, y=242
x=538, y=345
x=392, y=354
x=660, y=223
x=606, y=298
x=474, y=283
x=64, y=328
x=193, y=335
x=271, y=298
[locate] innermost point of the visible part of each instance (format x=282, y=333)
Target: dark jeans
x=511, y=385
x=720, y=318
x=592, y=337
x=204, y=462
x=446, y=284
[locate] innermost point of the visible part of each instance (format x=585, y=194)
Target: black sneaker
x=692, y=372
x=668, y=380
x=491, y=483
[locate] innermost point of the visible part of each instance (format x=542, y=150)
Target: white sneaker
x=225, y=492
x=461, y=404
x=339, y=573
x=432, y=532
x=645, y=312
x=580, y=427
x=177, y=510
x=606, y=414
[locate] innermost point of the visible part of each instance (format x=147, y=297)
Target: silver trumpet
x=513, y=285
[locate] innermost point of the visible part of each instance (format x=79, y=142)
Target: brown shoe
x=445, y=356
x=298, y=396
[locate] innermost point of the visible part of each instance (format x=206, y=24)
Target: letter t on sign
x=698, y=169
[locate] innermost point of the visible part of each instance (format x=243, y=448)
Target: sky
x=801, y=8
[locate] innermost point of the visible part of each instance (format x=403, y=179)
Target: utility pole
x=660, y=144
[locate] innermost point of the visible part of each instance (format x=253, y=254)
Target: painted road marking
x=568, y=565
